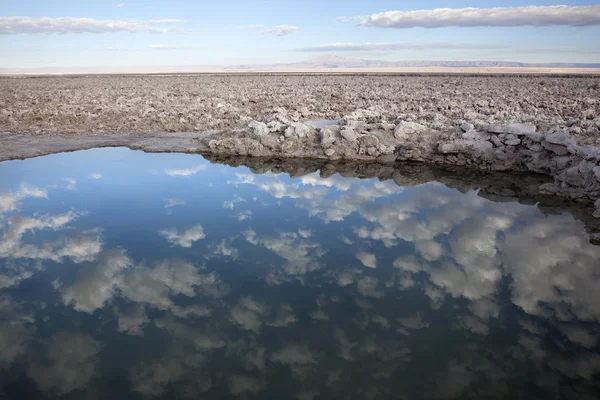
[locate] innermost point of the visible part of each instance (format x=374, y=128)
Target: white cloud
x=184, y=238
x=120, y=5
x=63, y=25
x=414, y=46
x=278, y=30
x=111, y=48
x=95, y=175
x=167, y=21
x=171, y=47
x=471, y=17
x=185, y=172
x=368, y=259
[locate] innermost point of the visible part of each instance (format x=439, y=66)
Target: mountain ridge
x=327, y=63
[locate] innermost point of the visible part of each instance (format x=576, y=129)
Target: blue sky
x=226, y=32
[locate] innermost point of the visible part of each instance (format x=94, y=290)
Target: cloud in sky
x=120, y=5
x=278, y=30
x=171, y=47
x=63, y=25
x=166, y=21
x=396, y=46
x=111, y=48
x=471, y=17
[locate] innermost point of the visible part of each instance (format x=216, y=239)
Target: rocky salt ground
x=546, y=125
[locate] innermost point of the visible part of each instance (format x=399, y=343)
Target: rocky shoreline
x=365, y=136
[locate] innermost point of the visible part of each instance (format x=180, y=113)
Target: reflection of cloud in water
x=248, y=314
x=70, y=364
x=285, y=316
x=16, y=330
x=70, y=183
x=170, y=203
x=10, y=201
x=339, y=330
x=98, y=283
x=81, y=247
x=223, y=249
x=186, y=171
x=131, y=319
x=231, y=203
x=244, y=215
x=184, y=238
x=244, y=383
x=294, y=354
x=367, y=259
x=301, y=256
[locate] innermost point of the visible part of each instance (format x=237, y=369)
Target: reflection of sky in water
x=128, y=274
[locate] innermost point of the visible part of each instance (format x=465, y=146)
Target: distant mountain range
x=334, y=62
x=327, y=63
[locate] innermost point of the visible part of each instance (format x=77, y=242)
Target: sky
x=146, y=33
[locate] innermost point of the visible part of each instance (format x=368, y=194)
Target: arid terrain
x=542, y=124
x=147, y=104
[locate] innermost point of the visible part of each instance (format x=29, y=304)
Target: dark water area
x=129, y=275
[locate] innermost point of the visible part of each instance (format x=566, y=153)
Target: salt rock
x=349, y=134
x=258, y=128
x=297, y=129
x=514, y=128
x=559, y=137
x=275, y=126
x=597, y=172
x=466, y=127
x=387, y=158
x=405, y=129
x=328, y=136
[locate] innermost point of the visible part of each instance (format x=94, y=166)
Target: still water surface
x=127, y=275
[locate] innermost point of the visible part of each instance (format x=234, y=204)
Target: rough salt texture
x=146, y=104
